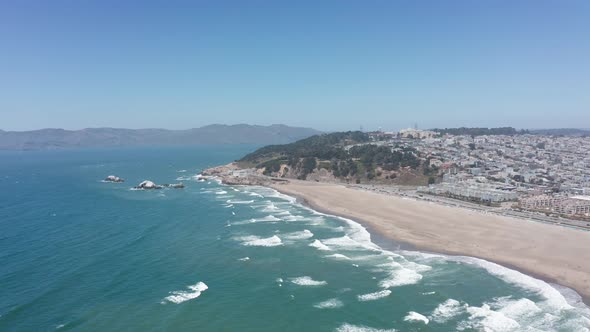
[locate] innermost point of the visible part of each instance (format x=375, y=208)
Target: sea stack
x=148, y=185
x=113, y=178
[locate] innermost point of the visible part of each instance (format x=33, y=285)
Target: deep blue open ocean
x=78, y=254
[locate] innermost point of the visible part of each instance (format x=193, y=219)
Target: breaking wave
x=360, y=328
x=302, y=235
x=413, y=316
x=256, y=241
x=307, y=281
x=374, y=296
x=329, y=304
x=182, y=296
x=319, y=245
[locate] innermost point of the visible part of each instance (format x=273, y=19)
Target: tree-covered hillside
x=341, y=156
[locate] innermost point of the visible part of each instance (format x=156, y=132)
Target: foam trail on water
x=338, y=256
x=307, y=281
x=329, y=304
x=360, y=328
x=447, y=310
x=182, y=296
x=255, y=241
x=229, y=201
x=305, y=234
x=374, y=296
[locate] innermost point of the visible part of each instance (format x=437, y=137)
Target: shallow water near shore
x=78, y=254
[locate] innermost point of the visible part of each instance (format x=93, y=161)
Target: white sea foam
x=485, y=319
x=329, y=304
x=360, y=328
x=370, y=257
x=355, y=231
x=417, y=267
x=276, y=194
x=182, y=296
x=315, y=221
x=374, y=296
x=244, y=259
x=294, y=218
x=413, y=316
x=302, y=235
x=270, y=217
x=182, y=171
x=447, y=310
x=553, y=297
x=272, y=241
x=244, y=222
x=230, y=201
x=270, y=208
x=307, y=281
x=338, y=256
x=319, y=245
x=221, y=192
x=344, y=242
x=401, y=277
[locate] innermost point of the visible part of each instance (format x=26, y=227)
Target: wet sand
x=556, y=254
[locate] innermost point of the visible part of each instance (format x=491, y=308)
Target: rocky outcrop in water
x=150, y=185
x=231, y=174
x=147, y=185
x=113, y=178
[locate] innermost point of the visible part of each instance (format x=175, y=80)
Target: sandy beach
x=556, y=254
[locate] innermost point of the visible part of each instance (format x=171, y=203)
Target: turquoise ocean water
x=77, y=254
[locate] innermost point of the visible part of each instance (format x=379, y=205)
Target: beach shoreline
x=389, y=233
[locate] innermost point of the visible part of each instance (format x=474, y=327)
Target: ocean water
x=77, y=254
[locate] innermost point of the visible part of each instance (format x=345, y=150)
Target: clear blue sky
x=330, y=65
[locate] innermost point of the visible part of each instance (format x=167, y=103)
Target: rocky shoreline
x=232, y=174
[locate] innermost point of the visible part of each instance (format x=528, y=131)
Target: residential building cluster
x=560, y=204
x=496, y=168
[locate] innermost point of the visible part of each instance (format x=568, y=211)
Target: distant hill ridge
x=562, y=131
x=50, y=138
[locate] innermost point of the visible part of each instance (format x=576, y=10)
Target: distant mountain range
x=46, y=139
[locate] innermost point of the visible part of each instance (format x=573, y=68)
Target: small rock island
x=147, y=185
x=150, y=185
x=113, y=178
